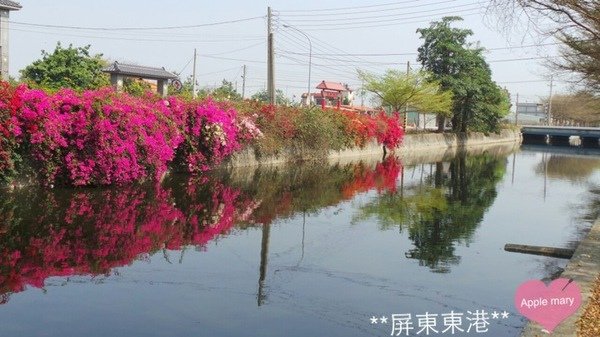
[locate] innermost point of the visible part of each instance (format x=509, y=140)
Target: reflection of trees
x=572, y=169
x=443, y=211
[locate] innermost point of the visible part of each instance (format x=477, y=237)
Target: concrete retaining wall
x=414, y=145
x=583, y=268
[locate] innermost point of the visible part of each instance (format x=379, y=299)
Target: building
x=535, y=109
x=5, y=7
x=118, y=71
x=333, y=94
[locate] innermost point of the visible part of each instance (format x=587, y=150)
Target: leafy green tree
x=263, y=96
x=398, y=89
x=459, y=66
x=226, y=91
x=71, y=67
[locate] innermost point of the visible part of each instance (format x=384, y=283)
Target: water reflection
x=442, y=210
x=91, y=231
x=569, y=168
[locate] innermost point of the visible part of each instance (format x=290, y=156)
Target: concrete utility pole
x=549, y=114
x=517, y=110
x=194, y=85
x=406, y=105
x=244, y=82
x=270, y=58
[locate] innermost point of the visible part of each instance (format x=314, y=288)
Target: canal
x=300, y=250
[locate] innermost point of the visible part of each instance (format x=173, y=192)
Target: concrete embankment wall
x=583, y=268
x=413, y=147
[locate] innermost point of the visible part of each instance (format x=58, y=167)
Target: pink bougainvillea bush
x=211, y=133
x=97, y=137
x=101, y=137
x=9, y=105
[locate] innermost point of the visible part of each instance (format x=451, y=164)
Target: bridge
x=559, y=135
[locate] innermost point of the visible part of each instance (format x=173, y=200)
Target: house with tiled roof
x=6, y=6
x=332, y=94
x=118, y=72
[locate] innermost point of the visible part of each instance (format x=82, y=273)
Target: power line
x=346, y=8
x=415, y=53
x=349, y=26
x=238, y=49
x=128, y=39
x=399, y=15
x=135, y=28
x=354, y=22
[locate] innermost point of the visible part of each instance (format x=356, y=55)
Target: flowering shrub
x=97, y=137
x=101, y=137
x=389, y=132
x=10, y=103
x=211, y=135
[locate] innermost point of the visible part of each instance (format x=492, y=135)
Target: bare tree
x=575, y=23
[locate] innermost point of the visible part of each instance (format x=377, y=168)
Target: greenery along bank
x=102, y=137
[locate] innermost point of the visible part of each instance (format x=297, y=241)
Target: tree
x=72, y=67
x=263, y=96
x=226, y=91
x=581, y=108
x=399, y=89
x=459, y=66
x=576, y=25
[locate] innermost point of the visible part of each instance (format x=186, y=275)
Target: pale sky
x=343, y=38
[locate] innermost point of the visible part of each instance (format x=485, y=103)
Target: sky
x=345, y=36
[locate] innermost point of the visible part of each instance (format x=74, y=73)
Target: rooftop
x=333, y=86
x=10, y=5
x=138, y=71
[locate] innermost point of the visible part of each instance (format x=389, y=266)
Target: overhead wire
x=346, y=8
x=399, y=15
x=136, y=28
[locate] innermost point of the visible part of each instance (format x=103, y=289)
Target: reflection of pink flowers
x=104, y=229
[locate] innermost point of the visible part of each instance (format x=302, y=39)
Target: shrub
x=97, y=137
x=210, y=135
x=10, y=103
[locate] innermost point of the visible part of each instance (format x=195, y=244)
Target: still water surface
x=305, y=250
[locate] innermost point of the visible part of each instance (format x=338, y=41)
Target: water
x=305, y=250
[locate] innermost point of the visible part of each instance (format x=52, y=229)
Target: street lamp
x=308, y=100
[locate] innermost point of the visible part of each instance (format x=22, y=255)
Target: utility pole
x=194, y=86
x=244, y=82
x=549, y=114
x=517, y=110
x=406, y=105
x=270, y=58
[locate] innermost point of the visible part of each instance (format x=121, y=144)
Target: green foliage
x=226, y=91
x=71, y=67
x=417, y=89
x=443, y=211
x=135, y=87
x=263, y=96
x=459, y=66
x=321, y=131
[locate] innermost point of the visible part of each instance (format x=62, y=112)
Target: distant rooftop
x=138, y=71
x=10, y=5
x=333, y=86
